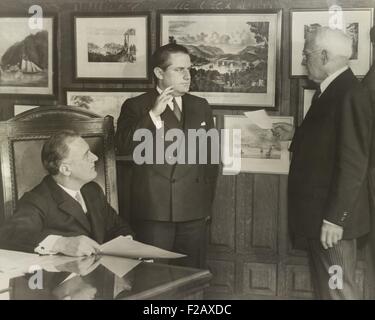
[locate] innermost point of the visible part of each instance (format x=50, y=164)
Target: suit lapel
x=67, y=204
x=93, y=209
x=324, y=104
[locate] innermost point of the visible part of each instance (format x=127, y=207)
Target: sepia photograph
x=213, y=153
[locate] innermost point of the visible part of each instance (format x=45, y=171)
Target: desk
x=146, y=280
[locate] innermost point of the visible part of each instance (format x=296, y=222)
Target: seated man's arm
x=24, y=230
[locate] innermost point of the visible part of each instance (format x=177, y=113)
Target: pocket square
x=203, y=123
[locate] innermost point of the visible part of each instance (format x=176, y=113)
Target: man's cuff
x=46, y=246
x=156, y=120
x=332, y=224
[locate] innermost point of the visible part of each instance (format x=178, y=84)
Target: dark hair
x=55, y=149
x=161, y=55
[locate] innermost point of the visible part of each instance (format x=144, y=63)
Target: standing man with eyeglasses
x=328, y=178
x=170, y=202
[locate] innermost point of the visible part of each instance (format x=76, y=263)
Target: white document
x=260, y=118
x=15, y=260
x=119, y=266
x=125, y=247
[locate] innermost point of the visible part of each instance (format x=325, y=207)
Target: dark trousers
x=344, y=256
x=183, y=237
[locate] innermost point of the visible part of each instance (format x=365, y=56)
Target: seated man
x=67, y=212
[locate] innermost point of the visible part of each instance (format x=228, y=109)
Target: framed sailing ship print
x=27, y=57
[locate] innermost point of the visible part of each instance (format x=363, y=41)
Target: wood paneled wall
x=249, y=251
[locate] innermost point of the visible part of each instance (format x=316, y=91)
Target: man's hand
x=284, y=131
x=330, y=235
x=83, y=266
x=161, y=101
x=76, y=246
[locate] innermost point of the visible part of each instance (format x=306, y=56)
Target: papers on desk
x=260, y=118
x=125, y=247
x=119, y=266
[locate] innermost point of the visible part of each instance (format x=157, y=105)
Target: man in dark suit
x=369, y=82
x=171, y=202
x=67, y=212
x=328, y=184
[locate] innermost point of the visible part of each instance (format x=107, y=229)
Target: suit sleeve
x=24, y=230
x=132, y=117
x=353, y=152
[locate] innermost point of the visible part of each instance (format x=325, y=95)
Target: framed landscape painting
x=100, y=102
x=235, y=55
x=261, y=151
x=27, y=57
x=112, y=47
x=355, y=22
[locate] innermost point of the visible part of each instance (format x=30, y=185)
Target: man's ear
x=64, y=169
x=324, y=56
x=159, y=73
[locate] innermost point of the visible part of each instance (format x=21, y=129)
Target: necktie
x=79, y=199
x=316, y=95
x=176, y=109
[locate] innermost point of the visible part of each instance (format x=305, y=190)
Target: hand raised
x=284, y=131
x=162, y=100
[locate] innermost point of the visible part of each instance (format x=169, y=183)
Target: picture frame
x=357, y=23
x=235, y=54
x=101, y=101
x=112, y=47
x=28, y=57
x=261, y=151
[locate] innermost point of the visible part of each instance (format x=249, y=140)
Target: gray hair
x=335, y=41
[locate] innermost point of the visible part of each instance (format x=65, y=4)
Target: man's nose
x=94, y=157
x=187, y=75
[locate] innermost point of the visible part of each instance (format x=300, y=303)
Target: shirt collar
x=327, y=81
x=71, y=192
x=170, y=104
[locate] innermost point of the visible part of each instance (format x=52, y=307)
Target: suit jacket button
x=173, y=180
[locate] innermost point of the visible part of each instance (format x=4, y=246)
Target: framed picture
x=112, y=47
x=101, y=102
x=261, y=151
x=235, y=55
x=355, y=22
x=27, y=57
